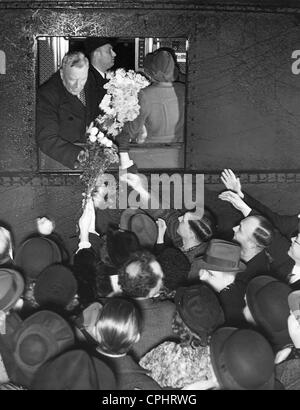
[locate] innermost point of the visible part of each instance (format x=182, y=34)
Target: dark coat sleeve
x=286, y=224
x=85, y=269
x=48, y=130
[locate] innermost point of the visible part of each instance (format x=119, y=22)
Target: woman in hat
x=187, y=231
x=267, y=308
x=162, y=104
x=239, y=359
x=198, y=314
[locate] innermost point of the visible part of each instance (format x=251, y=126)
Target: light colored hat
x=11, y=288
x=160, y=66
x=139, y=222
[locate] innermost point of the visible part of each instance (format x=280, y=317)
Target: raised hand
x=133, y=180
x=231, y=182
x=87, y=220
x=235, y=201
x=162, y=227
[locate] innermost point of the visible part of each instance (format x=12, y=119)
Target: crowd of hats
x=41, y=352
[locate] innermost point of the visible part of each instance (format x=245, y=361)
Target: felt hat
x=267, y=299
x=220, y=256
x=120, y=244
x=11, y=288
x=200, y=309
x=35, y=254
x=242, y=359
x=140, y=223
x=75, y=370
x=175, y=266
x=92, y=43
x=41, y=336
x=160, y=66
x=56, y=285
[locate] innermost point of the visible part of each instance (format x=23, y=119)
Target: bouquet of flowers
x=119, y=106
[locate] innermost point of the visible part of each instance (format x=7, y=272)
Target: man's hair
x=118, y=326
x=5, y=244
x=205, y=227
x=264, y=233
x=74, y=59
x=140, y=283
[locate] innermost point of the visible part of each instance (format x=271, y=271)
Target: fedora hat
x=200, y=309
x=40, y=337
x=242, y=359
x=267, y=299
x=36, y=254
x=140, y=223
x=11, y=288
x=56, y=285
x=92, y=43
x=220, y=256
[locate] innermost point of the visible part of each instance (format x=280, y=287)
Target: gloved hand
x=123, y=140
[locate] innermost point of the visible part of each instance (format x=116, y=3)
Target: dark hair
x=118, y=327
x=120, y=244
x=264, y=233
x=74, y=59
x=205, y=227
x=144, y=280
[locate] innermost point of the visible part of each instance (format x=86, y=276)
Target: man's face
x=104, y=57
x=74, y=78
x=216, y=279
x=294, y=251
x=243, y=233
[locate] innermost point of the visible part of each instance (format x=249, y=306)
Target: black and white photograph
x=149, y=197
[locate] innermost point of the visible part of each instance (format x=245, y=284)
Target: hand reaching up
x=88, y=218
x=231, y=182
x=137, y=182
x=162, y=227
x=235, y=201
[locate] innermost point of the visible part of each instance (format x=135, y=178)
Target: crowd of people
x=159, y=301
x=156, y=299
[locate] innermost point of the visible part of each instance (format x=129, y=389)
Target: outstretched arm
x=286, y=224
x=236, y=201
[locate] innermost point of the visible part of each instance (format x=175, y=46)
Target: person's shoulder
x=53, y=81
x=52, y=87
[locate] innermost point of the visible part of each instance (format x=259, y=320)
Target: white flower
x=106, y=142
x=93, y=138
x=100, y=136
x=93, y=131
x=109, y=143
